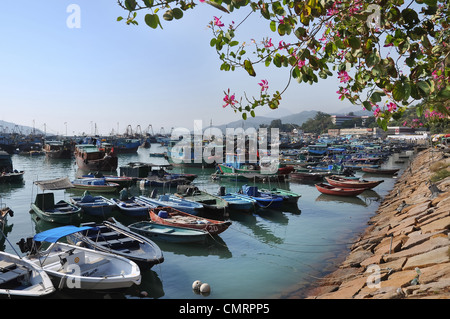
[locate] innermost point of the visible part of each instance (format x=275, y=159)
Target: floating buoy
x=196, y=285
x=205, y=288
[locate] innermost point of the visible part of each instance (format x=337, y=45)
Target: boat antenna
x=3, y=234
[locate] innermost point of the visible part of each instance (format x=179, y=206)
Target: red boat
x=339, y=191
x=351, y=183
x=174, y=217
x=380, y=170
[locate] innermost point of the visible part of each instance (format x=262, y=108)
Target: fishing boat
x=7, y=173
x=209, y=201
x=264, y=200
x=339, y=191
x=123, y=181
x=90, y=157
x=382, y=171
x=115, y=239
x=288, y=196
x=133, y=206
x=96, y=185
x=169, y=233
x=238, y=201
x=173, y=217
x=185, y=205
x=75, y=267
x=21, y=278
x=307, y=176
x=61, y=212
x=351, y=183
x=58, y=149
x=94, y=205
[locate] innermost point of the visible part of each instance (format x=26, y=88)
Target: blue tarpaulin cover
x=52, y=235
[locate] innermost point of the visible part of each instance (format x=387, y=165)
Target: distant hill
x=8, y=127
x=298, y=118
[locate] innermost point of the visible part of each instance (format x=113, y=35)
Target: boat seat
x=11, y=272
x=129, y=243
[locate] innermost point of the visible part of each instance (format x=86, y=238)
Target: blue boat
x=133, y=206
x=238, y=201
x=94, y=205
x=264, y=200
x=168, y=233
x=176, y=202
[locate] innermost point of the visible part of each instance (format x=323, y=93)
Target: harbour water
x=265, y=254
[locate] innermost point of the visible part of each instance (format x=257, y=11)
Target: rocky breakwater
x=405, y=250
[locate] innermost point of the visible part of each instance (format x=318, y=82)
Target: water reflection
x=341, y=199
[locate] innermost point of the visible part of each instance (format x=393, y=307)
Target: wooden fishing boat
x=264, y=200
x=91, y=157
x=112, y=238
x=58, y=149
x=240, y=202
x=94, y=205
x=176, y=202
x=133, y=206
x=74, y=267
x=339, y=191
x=307, y=176
x=169, y=233
x=96, y=185
x=19, y=277
x=351, y=183
x=174, y=217
x=382, y=171
x=210, y=202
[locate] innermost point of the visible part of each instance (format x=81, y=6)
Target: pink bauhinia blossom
x=344, y=77
x=229, y=99
x=217, y=22
x=264, y=85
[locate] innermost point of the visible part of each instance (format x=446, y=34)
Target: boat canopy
x=55, y=184
x=52, y=235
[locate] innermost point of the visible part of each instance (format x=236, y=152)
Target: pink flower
x=405, y=123
x=264, y=85
x=377, y=112
x=392, y=107
x=217, y=22
x=301, y=63
x=342, y=93
x=344, y=77
x=268, y=43
x=229, y=99
x=201, y=1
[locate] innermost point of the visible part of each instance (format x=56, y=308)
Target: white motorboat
x=71, y=266
x=20, y=278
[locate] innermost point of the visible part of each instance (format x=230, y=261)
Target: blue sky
x=108, y=75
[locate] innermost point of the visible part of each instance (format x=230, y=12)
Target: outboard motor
x=29, y=245
x=221, y=191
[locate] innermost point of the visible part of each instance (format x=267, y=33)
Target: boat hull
x=180, y=219
x=332, y=190
x=345, y=183
x=170, y=234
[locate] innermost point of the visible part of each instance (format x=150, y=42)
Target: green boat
x=209, y=201
x=288, y=196
x=62, y=212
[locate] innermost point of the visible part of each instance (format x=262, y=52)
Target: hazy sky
x=108, y=75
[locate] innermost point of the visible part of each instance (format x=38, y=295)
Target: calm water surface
x=265, y=254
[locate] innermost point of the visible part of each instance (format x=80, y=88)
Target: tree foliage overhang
x=387, y=54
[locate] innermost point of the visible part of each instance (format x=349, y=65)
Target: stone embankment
x=405, y=250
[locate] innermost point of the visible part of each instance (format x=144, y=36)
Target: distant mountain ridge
x=8, y=127
x=296, y=118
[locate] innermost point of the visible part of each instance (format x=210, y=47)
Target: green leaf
x=354, y=42
x=244, y=116
x=424, y=88
x=152, y=20
x=249, y=68
x=148, y=3
x=273, y=26
x=130, y=4
x=168, y=15
x=119, y=18
x=398, y=92
x=177, y=13
x=367, y=105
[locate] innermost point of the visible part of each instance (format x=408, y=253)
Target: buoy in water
x=196, y=285
x=205, y=288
